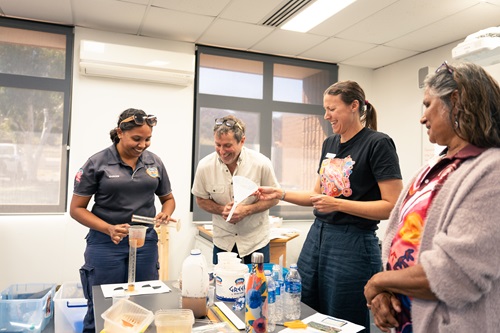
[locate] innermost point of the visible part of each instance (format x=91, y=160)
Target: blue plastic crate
x=26, y=307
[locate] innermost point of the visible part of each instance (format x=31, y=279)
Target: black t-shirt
x=351, y=170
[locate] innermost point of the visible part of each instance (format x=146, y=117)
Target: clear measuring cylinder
x=136, y=239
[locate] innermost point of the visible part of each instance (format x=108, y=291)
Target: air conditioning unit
x=135, y=63
x=482, y=47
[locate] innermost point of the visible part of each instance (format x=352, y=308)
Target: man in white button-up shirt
x=248, y=229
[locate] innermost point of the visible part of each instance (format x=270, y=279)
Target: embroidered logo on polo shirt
x=152, y=172
x=78, y=176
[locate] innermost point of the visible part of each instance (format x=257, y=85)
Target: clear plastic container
x=26, y=307
x=174, y=321
x=127, y=317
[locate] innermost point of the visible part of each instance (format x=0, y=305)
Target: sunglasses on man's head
x=228, y=122
x=139, y=119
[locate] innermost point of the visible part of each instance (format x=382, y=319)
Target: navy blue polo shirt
x=119, y=192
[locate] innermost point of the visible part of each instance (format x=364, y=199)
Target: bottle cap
x=257, y=258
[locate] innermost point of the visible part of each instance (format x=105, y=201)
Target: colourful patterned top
x=406, y=244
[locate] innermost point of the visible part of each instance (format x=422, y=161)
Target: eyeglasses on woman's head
x=445, y=66
x=140, y=119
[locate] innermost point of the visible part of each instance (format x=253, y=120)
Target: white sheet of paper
x=319, y=317
x=141, y=288
x=242, y=189
x=275, y=233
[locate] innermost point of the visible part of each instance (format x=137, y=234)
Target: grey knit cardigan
x=460, y=250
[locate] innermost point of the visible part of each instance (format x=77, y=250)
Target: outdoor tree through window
x=35, y=81
x=281, y=102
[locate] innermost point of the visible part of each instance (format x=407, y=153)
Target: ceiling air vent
x=285, y=12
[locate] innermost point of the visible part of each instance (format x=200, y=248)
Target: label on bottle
x=293, y=287
x=271, y=296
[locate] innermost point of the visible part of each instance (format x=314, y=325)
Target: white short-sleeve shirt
x=213, y=180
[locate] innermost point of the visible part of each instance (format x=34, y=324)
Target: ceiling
x=369, y=33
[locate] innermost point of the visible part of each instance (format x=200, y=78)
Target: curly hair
x=476, y=113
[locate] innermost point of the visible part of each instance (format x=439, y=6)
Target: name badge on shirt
x=330, y=155
x=152, y=172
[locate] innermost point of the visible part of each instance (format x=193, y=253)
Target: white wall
x=49, y=248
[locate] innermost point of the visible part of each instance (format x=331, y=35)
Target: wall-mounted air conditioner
x=482, y=47
x=135, y=63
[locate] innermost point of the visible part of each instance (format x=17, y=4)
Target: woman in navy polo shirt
x=124, y=179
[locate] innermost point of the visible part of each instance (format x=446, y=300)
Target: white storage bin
x=70, y=308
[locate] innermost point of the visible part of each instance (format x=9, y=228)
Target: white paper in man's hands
x=242, y=189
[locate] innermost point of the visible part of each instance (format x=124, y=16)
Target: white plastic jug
x=195, y=281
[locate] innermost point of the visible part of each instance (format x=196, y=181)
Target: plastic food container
x=174, y=321
x=126, y=317
x=26, y=307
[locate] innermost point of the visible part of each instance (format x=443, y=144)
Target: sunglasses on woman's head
x=445, y=66
x=229, y=123
x=139, y=119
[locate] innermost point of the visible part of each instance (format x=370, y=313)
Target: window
x=281, y=102
x=35, y=85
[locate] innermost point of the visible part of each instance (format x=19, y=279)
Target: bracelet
x=283, y=195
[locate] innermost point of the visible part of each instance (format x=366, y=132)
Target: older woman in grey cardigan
x=440, y=252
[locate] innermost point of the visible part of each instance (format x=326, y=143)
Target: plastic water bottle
x=271, y=302
x=256, y=299
x=278, y=293
x=293, y=290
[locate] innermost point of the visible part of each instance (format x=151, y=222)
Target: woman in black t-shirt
x=358, y=184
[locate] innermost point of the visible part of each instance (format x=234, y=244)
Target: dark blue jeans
x=335, y=263
x=106, y=263
x=246, y=259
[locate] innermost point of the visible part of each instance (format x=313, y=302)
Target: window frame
x=46, y=84
x=265, y=107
